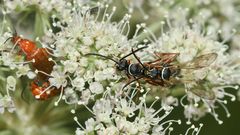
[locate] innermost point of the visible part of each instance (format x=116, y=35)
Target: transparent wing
x=200, y=62
x=164, y=58
x=205, y=94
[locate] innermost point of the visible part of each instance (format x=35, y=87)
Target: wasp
x=164, y=71
x=41, y=62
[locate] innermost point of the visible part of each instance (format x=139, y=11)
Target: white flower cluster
x=205, y=87
x=52, y=6
x=84, y=34
x=84, y=79
x=62, y=8
x=121, y=115
x=217, y=14
x=220, y=14
x=6, y=102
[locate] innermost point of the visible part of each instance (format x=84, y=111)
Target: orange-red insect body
x=39, y=90
x=27, y=46
x=40, y=56
x=41, y=63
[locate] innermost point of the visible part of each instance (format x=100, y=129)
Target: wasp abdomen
x=166, y=73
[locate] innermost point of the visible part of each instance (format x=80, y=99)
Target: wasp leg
x=131, y=81
x=138, y=83
x=156, y=82
x=139, y=61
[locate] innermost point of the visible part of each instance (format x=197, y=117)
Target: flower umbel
x=121, y=67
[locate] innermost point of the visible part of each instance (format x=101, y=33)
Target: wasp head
x=122, y=65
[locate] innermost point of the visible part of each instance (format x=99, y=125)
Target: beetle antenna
x=14, y=31
x=13, y=35
x=7, y=40
x=106, y=57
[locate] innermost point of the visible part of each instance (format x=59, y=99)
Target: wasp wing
x=205, y=94
x=163, y=58
x=200, y=62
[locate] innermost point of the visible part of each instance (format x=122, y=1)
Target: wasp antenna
x=139, y=49
x=106, y=57
x=137, y=58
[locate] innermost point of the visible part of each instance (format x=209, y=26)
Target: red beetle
x=41, y=62
x=39, y=55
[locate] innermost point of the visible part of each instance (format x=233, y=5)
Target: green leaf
x=41, y=24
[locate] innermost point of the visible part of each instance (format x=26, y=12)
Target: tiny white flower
x=78, y=82
x=79, y=132
x=23, y=70
x=111, y=130
x=126, y=126
x=70, y=66
x=125, y=107
x=31, y=74
x=169, y=101
x=192, y=112
x=99, y=76
x=58, y=79
x=86, y=95
x=103, y=109
x=11, y=83
x=83, y=62
x=90, y=125
x=96, y=88
x=87, y=40
x=70, y=96
x=6, y=102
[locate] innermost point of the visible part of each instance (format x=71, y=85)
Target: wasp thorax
x=122, y=65
x=135, y=69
